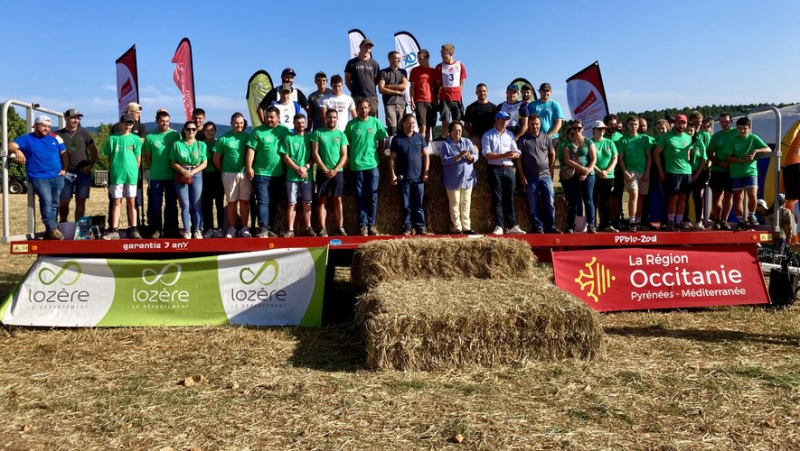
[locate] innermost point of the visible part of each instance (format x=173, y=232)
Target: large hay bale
x=446, y=258
x=441, y=324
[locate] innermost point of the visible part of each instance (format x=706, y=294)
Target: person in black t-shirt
x=479, y=116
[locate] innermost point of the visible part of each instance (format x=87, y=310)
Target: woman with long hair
x=188, y=157
x=580, y=156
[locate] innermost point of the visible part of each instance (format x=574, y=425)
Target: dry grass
x=484, y=258
x=427, y=324
x=724, y=378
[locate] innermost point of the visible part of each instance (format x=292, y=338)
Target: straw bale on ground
x=436, y=324
x=482, y=258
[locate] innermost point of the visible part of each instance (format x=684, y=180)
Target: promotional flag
x=184, y=75
x=407, y=46
x=519, y=82
x=127, y=80
x=356, y=36
x=258, y=86
x=586, y=95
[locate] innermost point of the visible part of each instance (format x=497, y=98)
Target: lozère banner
x=278, y=287
x=661, y=278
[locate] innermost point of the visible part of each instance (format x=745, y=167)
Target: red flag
x=127, y=80
x=586, y=95
x=184, y=75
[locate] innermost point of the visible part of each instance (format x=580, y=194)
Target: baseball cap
x=762, y=203
x=681, y=117
x=286, y=87
x=367, y=41
x=72, y=112
x=527, y=87
x=127, y=118
x=512, y=87
x=599, y=124
x=133, y=106
x=545, y=87
x=320, y=75
x=43, y=120
x=502, y=115
x=288, y=71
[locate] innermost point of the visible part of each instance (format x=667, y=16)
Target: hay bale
x=446, y=258
x=441, y=324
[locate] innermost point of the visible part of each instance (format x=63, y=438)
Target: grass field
x=723, y=378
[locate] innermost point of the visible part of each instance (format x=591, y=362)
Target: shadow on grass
x=8, y=282
x=330, y=348
x=705, y=335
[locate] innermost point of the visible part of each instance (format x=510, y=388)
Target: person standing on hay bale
x=500, y=150
x=450, y=81
x=366, y=136
x=479, y=117
x=535, y=168
x=409, y=162
x=459, y=177
x=329, y=148
x=296, y=155
x=548, y=110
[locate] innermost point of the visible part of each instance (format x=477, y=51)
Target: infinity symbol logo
x=410, y=59
x=245, y=273
x=71, y=264
x=147, y=272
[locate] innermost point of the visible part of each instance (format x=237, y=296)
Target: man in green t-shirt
x=162, y=177
x=676, y=146
x=296, y=153
x=229, y=153
x=741, y=151
x=329, y=148
x=264, y=167
x=634, y=162
x=124, y=152
x=720, y=182
x=366, y=136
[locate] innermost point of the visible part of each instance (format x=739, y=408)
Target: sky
x=652, y=55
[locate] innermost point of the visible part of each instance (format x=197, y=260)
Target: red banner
x=184, y=75
x=586, y=96
x=647, y=278
x=127, y=80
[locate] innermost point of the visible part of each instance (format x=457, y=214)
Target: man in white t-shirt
x=511, y=106
x=339, y=101
x=287, y=107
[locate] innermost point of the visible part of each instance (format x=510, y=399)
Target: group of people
x=304, y=144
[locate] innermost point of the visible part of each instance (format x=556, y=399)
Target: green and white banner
x=280, y=287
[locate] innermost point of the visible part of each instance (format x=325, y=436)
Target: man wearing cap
x=392, y=83
x=156, y=150
x=287, y=76
x=524, y=114
x=548, y=110
x=287, y=107
x=720, y=182
x=361, y=76
x=450, y=80
x=340, y=102
x=45, y=158
x=78, y=180
x=535, y=165
x=315, y=106
x=124, y=152
x=480, y=116
x=422, y=80
x=676, y=171
x=500, y=150
x=511, y=106
x=134, y=110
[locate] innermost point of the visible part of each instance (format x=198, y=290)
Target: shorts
x=636, y=184
x=451, y=110
x=791, y=181
x=122, y=191
x=330, y=187
x=677, y=184
x=426, y=114
x=373, y=105
x=304, y=189
x=720, y=182
x=740, y=183
x=78, y=186
x=237, y=186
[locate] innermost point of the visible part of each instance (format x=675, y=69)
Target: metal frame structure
x=30, y=109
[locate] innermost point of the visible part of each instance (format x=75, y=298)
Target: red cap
x=681, y=117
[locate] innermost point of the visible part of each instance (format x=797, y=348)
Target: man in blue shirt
x=409, y=162
x=548, y=110
x=500, y=150
x=45, y=158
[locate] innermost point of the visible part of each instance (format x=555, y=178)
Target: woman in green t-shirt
x=188, y=158
x=606, y=152
x=579, y=154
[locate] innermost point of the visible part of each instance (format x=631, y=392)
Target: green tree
x=100, y=137
x=16, y=128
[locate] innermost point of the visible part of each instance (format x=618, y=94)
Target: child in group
x=741, y=151
x=296, y=153
x=124, y=152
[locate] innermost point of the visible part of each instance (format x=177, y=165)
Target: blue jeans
x=542, y=186
x=190, y=198
x=501, y=182
x=267, y=191
x=411, y=193
x=580, y=191
x=367, y=195
x=159, y=189
x=49, y=192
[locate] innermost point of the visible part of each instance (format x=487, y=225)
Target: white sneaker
x=498, y=231
x=187, y=235
x=516, y=231
x=197, y=235
x=686, y=225
x=209, y=233
x=700, y=225
x=245, y=233
x=231, y=233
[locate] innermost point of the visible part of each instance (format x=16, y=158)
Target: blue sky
x=652, y=54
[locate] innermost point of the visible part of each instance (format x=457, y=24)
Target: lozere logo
x=161, y=275
x=246, y=272
x=71, y=264
x=597, y=280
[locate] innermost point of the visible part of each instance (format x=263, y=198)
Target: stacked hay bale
x=436, y=304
